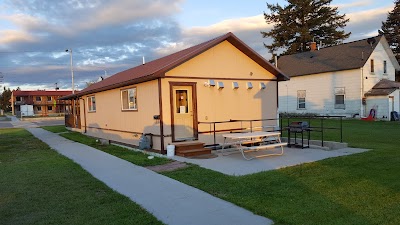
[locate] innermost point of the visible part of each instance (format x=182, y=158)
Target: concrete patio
x=234, y=164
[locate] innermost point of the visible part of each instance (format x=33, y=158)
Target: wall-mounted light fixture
x=235, y=85
x=262, y=85
x=249, y=85
x=220, y=85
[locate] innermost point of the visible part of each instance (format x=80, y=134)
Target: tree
x=5, y=97
x=303, y=21
x=391, y=29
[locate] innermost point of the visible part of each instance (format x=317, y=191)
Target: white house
x=347, y=80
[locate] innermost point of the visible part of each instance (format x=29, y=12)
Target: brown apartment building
x=42, y=103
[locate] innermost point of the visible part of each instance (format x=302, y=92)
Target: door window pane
x=181, y=101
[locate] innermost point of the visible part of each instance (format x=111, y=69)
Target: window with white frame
x=91, y=103
x=39, y=108
x=129, y=99
x=339, y=98
x=49, y=98
x=301, y=99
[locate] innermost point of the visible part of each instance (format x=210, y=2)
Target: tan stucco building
x=178, y=97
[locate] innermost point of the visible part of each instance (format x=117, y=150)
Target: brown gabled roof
x=352, y=55
x=383, y=87
x=157, y=68
x=41, y=93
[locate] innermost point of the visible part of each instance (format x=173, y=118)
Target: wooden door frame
x=194, y=105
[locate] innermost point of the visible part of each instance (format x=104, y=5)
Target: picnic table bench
x=267, y=140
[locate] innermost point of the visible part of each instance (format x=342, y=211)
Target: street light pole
x=72, y=70
x=73, y=89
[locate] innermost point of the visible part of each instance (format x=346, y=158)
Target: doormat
x=168, y=167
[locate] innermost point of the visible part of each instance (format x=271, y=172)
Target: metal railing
x=321, y=128
x=250, y=128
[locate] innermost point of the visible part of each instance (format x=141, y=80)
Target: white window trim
x=135, y=103
x=340, y=106
x=90, y=99
x=298, y=100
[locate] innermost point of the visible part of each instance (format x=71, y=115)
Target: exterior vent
x=262, y=85
x=220, y=85
x=212, y=83
x=249, y=85
x=235, y=85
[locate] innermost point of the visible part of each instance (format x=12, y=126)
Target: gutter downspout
x=362, y=108
x=161, y=116
x=84, y=113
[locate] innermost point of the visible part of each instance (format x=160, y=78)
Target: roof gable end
x=157, y=68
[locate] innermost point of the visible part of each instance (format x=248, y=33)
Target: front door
x=183, y=113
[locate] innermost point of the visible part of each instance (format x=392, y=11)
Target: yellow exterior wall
x=226, y=104
x=221, y=61
x=112, y=120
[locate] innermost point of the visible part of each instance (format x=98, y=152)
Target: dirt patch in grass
x=168, y=167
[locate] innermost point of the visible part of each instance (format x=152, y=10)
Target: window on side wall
x=49, y=98
x=91, y=104
x=38, y=98
x=384, y=67
x=129, y=99
x=339, y=98
x=301, y=99
x=372, y=66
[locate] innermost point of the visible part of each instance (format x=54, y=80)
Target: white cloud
x=12, y=36
x=373, y=14
x=121, y=11
x=355, y=4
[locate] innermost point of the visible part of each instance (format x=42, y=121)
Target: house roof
x=157, y=68
x=41, y=93
x=352, y=55
x=383, y=87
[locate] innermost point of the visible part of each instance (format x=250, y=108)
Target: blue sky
x=108, y=36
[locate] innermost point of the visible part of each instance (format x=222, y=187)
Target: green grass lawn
x=137, y=158
x=39, y=186
x=55, y=129
x=357, y=189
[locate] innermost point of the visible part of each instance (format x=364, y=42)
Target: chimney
x=143, y=62
x=313, y=46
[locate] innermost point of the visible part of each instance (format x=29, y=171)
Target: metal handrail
x=321, y=127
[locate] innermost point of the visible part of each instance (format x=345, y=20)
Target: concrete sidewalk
x=168, y=200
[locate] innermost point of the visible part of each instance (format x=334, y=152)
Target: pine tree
x=303, y=21
x=391, y=29
x=5, y=97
